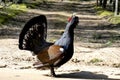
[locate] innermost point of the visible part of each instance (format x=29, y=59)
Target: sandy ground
x=86, y=63
x=17, y=65
x=87, y=72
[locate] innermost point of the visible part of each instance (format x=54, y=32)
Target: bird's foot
x=50, y=75
x=53, y=75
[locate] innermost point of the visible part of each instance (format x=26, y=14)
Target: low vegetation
x=109, y=15
x=95, y=60
x=117, y=65
x=7, y=13
x=115, y=19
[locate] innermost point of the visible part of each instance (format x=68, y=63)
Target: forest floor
x=97, y=44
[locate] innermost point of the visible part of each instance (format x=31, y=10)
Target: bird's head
x=73, y=20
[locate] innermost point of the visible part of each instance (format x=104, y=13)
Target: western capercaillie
x=33, y=38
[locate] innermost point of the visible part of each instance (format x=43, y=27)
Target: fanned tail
x=33, y=36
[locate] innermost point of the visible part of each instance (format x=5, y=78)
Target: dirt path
x=17, y=64
x=94, y=58
x=86, y=73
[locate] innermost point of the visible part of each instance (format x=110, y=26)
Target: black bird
x=33, y=38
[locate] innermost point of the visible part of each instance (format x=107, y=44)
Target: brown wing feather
x=50, y=55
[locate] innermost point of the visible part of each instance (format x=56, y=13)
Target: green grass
x=109, y=14
x=101, y=12
x=19, y=7
x=3, y=18
x=104, y=13
x=115, y=19
x=95, y=60
x=11, y=11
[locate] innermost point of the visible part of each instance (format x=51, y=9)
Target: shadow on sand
x=83, y=75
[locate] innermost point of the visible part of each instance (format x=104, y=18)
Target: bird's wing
x=33, y=36
x=52, y=55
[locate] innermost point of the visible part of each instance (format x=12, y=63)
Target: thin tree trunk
x=97, y=3
x=100, y=1
x=113, y=5
x=11, y=0
x=116, y=7
x=20, y=1
x=111, y=1
x=3, y=1
x=104, y=4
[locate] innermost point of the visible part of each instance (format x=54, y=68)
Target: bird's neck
x=71, y=39
x=66, y=39
x=70, y=34
x=69, y=31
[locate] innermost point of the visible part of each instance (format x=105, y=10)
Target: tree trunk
x=97, y=3
x=20, y=1
x=104, y=4
x=100, y=1
x=3, y=1
x=116, y=7
x=111, y=1
x=11, y=0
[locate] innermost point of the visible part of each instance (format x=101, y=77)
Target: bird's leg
x=52, y=71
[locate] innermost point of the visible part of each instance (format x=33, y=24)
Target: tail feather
x=33, y=34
